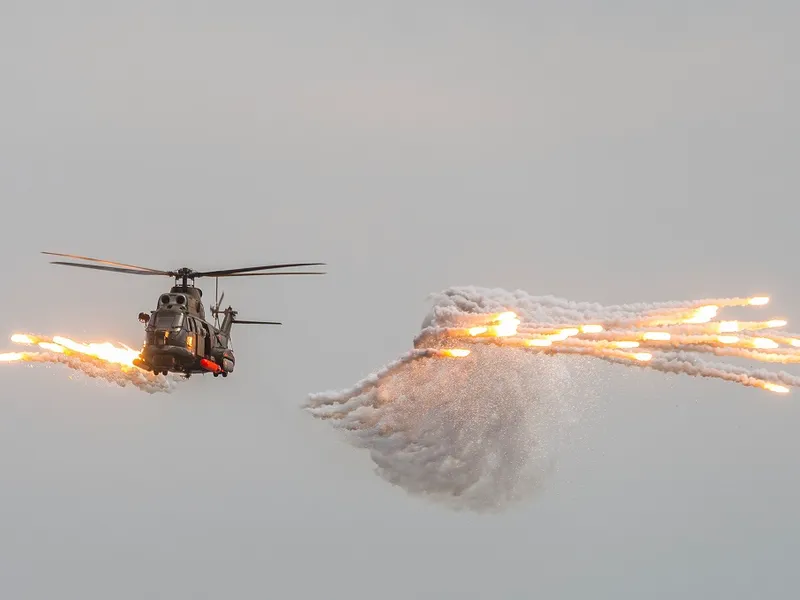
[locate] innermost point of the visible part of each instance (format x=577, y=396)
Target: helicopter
x=178, y=337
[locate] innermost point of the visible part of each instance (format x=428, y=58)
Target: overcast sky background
x=611, y=152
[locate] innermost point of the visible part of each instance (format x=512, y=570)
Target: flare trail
x=474, y=415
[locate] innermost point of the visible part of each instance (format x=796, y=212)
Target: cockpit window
x=166, y=320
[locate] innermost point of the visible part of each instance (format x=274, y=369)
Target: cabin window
x=167, y=320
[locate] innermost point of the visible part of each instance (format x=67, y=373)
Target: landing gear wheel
x=224, y=373
x=216, y=374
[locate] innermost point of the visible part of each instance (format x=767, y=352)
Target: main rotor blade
x=257, y=322
x=259, y=274
x=220, y=273
x=105, y=262
x=114, y=269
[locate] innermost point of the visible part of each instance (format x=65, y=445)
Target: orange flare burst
x=557, y=337
x=626, y=344
x=508, y=323
x=454, y=352
x=728, y=326
x=52, y=347
x=703, y=314
x=592, y=328
x=104, y=351
x=657, y=335
x=774, y=387
x=765, y=343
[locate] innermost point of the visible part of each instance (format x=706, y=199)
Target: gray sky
x=594, y=153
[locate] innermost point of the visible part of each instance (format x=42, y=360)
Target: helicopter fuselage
x=179, y=339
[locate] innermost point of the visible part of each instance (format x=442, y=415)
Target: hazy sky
x=609, y=151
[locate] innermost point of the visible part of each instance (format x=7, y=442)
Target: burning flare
x=102, y=360
x=658, y=330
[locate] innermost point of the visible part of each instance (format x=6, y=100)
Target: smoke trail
x=98, y=369
x=482, y=432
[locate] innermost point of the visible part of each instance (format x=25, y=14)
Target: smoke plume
x=476, y=414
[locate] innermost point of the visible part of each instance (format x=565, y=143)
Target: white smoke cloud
x=484, y=431
x=479, y=433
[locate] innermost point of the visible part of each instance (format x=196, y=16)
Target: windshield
x=166, y=320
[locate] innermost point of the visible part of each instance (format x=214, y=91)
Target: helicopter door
x=199, y=335
x=207, y=342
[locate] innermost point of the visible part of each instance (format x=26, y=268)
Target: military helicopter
x=178, y=337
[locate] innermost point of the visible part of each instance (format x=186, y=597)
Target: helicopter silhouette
x=178, y=337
